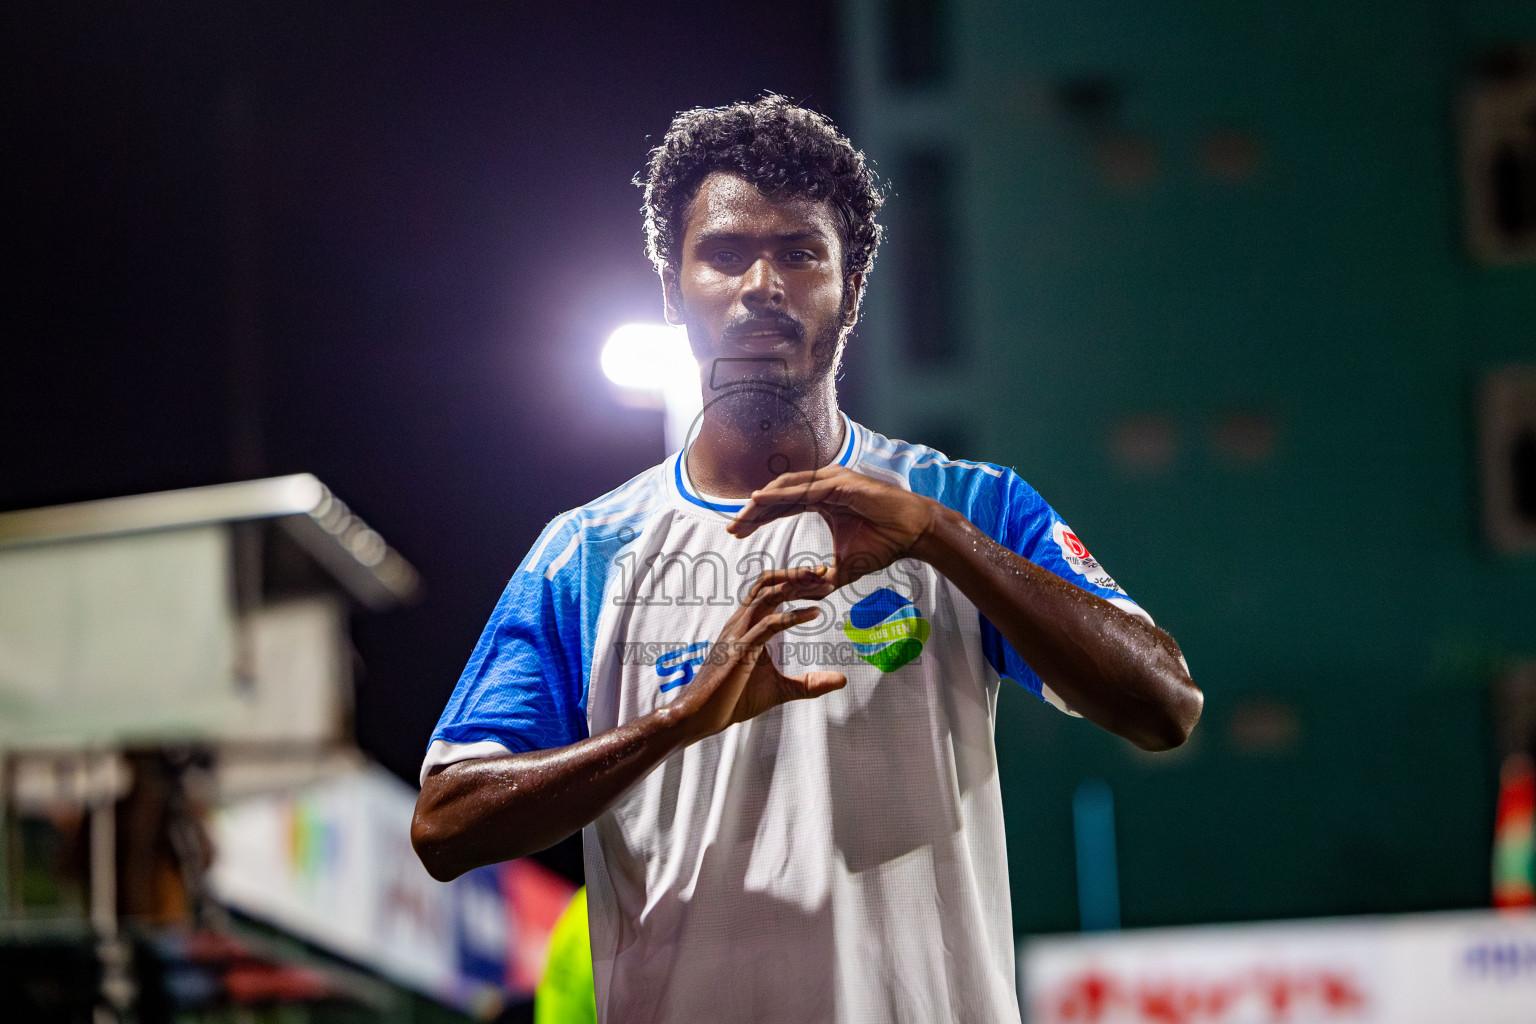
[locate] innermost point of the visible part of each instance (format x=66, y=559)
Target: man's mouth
x=762, y=335
x=758, y=339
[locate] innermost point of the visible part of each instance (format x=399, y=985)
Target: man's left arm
x=1112, y=667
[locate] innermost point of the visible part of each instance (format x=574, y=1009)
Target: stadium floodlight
x=652, y=365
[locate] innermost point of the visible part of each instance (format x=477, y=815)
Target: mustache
x=775, y=319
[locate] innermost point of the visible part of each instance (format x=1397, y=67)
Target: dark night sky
x=424, y=217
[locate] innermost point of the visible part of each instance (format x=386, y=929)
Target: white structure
x=213, y=614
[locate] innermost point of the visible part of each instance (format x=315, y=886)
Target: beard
x=762, y=399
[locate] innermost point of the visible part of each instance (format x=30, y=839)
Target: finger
x=772, y=588
x=734, y=624
x=771, y=625
x=766, y=603
x=815, y=492
x=776, y=502
x=801, y=579
x=772, y=578
x=747, y=520
x=794, y=489
x=812, y=684
x=769, y=607
x=752, y=647
x=801, y=477
x=807, y=578
x=842, y=574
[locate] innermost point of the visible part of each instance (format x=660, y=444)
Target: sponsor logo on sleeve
x=1076, y=555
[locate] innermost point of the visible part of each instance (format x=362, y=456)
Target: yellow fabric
x=566, y=995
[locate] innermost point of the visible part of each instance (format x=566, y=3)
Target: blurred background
x=1248, y=292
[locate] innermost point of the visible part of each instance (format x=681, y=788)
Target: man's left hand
x=873, y=523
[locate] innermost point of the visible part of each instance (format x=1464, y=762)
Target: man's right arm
x=492, y=809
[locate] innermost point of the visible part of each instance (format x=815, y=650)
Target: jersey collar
x=691, y=495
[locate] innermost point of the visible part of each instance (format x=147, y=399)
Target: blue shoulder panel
x=1009, y=511
x=525, y=685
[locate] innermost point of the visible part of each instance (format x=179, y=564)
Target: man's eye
x=799, y=256
x=723, y=257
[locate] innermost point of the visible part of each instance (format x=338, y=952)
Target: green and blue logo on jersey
x=887, y=630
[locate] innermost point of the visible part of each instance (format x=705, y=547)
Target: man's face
x=762, y=279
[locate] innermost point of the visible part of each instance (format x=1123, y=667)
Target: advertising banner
x=1414, y=969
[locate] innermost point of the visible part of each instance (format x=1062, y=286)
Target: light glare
x=648, y=357
x=655, y=360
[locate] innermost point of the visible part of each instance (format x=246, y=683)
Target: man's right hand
x=492, y=809
x=739, y=680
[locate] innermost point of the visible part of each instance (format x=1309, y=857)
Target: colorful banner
x=333, y=864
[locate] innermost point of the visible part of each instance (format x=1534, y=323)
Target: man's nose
x=761, y=285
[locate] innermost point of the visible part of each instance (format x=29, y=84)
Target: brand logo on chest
x=886, y=629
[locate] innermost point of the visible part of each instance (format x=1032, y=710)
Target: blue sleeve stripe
x=522, y=686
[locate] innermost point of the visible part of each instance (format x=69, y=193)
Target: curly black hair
x=783, y=149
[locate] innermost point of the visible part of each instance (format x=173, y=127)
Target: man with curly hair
x=762, y=676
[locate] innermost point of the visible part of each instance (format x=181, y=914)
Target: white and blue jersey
x=838, y=859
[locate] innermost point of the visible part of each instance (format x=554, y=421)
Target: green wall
x=1334, y=596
